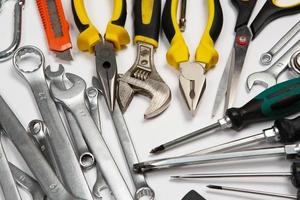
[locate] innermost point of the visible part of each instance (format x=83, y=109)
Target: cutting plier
x=115, y=37
x=192, y=78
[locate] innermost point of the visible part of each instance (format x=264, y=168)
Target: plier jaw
x=106, y=67
x=192, y=83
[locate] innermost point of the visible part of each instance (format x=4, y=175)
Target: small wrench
x=266, y=58
x=36, y=162
x=269, y=77
x=27, y=183
x=74, y=100
x=7, y=182
x=65, y=159
x=85, y=157
x=92, y=94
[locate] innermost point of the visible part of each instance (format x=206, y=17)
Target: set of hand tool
x=67, y=142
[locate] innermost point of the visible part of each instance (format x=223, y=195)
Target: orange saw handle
x=55, y=24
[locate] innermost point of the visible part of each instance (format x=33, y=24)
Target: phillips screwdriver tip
x=217, y=187
x=157, y=149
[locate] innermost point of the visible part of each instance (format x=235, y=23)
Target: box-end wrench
x=143, y=191
x=27, y=183
x=100, y=185
x=7, y=182
x=266, y=58
x=33, y=157
x=74, y=100
x=65, y=158
x=268, y=77
x=85, y=157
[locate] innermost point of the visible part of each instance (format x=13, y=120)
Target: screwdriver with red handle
x=274, y=103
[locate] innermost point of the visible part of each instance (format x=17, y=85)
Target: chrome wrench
x=7, y=182
x=74, y=100
x=65, y=160
x=36, y=162
x=85, y=157
x=27, y=183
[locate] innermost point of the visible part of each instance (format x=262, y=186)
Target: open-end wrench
x=7, y=182
x=268, y=77
x=74, y=100
x=33, y=157
x=143, y=191
x=27, y=183
x=85, y=157
x=65, y=159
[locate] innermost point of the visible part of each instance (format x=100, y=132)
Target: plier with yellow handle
x=192, y=78
x=115, y=37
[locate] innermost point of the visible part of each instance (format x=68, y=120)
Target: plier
x=244, y=35
x=192, y=78
x=115, y=37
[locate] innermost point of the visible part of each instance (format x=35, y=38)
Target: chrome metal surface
x=93, y=95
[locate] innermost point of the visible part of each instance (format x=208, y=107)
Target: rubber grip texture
x=269, y=12
x=245, y=9
x=59, y=39
x=274, y=103
x=147, y=15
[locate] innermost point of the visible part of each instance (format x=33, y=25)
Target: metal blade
x=222, y=85
x=65, y=55
x=241, y=44
x=55, y=21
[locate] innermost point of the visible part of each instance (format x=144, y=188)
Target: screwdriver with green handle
x=274, y=103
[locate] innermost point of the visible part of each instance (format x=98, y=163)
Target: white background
x=176, y=120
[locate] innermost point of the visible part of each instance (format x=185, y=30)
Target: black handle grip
x=217, y=25
x=245, y=9
x=167, y=23
x=295, y=170
x=143, y=26
x=289, y=129
x=270, y=12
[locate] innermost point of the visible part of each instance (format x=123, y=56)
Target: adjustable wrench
x=143, y=190
x=7, y=182
x=74, y=100
x=36, y=162
x=27, y=183
x=85, y=157
x=64, y=157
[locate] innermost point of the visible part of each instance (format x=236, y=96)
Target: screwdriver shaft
x=217, y=187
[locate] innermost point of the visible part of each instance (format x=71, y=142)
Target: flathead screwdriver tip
x=157, y=149
x=217, y=187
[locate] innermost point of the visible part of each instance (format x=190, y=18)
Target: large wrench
x=85, y=157
x=269, y=77
x=36, y=162
x=74, y=100
x=7, y=182
x=143, y=191
x=64, y=157
x=27, y=183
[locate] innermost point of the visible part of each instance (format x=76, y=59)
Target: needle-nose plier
x=192, y=79
x=114, y=39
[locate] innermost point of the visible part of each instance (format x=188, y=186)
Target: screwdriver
x=283, y=131
x=294, y=175
x=274, y=103
x=287, y=196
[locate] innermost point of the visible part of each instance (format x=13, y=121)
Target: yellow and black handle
x=205, y=53
x=89, y=35
x=147, y=21
x=271, y=11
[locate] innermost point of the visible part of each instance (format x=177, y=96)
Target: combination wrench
x=27, y=183
x=33, y=157
x=7, y=182
x=85, y=157
x=64, y=160
x=143, y=191
x=74, y=100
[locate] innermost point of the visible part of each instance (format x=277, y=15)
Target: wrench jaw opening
x=260, y=78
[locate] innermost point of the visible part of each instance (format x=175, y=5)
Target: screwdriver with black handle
x=274, y=103
x=284, y=131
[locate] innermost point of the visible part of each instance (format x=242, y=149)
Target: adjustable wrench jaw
x=264, y=79
x=142, y=78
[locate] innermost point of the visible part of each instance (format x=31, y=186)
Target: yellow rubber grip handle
x=89, y=35
x=178, y=51
x=206, y=52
